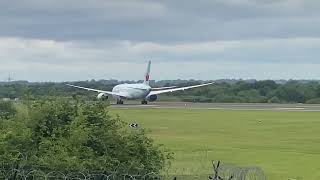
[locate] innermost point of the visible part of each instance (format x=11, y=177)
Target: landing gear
x=144, y=102
x=119, y=101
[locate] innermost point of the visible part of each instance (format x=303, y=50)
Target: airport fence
x=219, y=172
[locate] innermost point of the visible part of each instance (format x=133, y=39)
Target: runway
x=221, y=106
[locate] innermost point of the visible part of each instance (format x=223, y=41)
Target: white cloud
x=44, y=60
x=34, y=50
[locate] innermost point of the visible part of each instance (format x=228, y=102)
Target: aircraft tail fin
x=147, y=74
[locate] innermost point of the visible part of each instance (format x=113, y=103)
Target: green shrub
x=7, y=109
x=59, y=135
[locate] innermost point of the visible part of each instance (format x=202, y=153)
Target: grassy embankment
x=284, y=144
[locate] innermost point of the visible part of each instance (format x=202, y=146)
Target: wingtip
x=70, y=85
x=209, y=83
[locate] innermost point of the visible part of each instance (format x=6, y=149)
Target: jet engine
x=152, y=98
x=102, y=96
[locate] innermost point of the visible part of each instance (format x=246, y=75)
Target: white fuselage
x=132, y=91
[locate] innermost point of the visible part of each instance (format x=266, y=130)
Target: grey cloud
x=210, y=39
x=159, y=21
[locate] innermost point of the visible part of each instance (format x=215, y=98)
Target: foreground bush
x=64, y=136
x=7, y=109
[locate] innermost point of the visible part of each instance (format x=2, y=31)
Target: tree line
x=256, y=92
x=266, y=91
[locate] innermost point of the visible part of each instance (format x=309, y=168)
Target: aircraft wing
x=178, y=89
x=162, y=88
x=97, y=90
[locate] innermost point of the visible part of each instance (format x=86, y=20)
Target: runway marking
x=297, y=108
x=130, y=106
x=232, y=107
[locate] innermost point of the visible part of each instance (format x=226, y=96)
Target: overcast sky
x=63, y=40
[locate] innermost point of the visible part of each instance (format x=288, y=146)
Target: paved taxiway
x=221, y=106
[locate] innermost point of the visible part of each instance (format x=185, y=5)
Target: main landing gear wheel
x=144, y=102
x=119, y=101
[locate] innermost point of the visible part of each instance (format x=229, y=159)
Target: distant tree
x=309, y=90
x=314, y=101
x=241, y=86
x=290, y=94
x=229, y=99
x=274, y=99
x=252, y=96
x=265, y=87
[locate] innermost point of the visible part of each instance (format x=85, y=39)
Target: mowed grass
x=284, y=144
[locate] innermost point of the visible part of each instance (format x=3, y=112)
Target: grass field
x=284, y=144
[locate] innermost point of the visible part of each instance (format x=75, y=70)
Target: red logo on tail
x=147, y=77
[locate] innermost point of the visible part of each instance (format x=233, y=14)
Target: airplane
x=142, y=91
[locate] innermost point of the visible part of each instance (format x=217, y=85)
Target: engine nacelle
x=102, y=96
x=152, y=98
